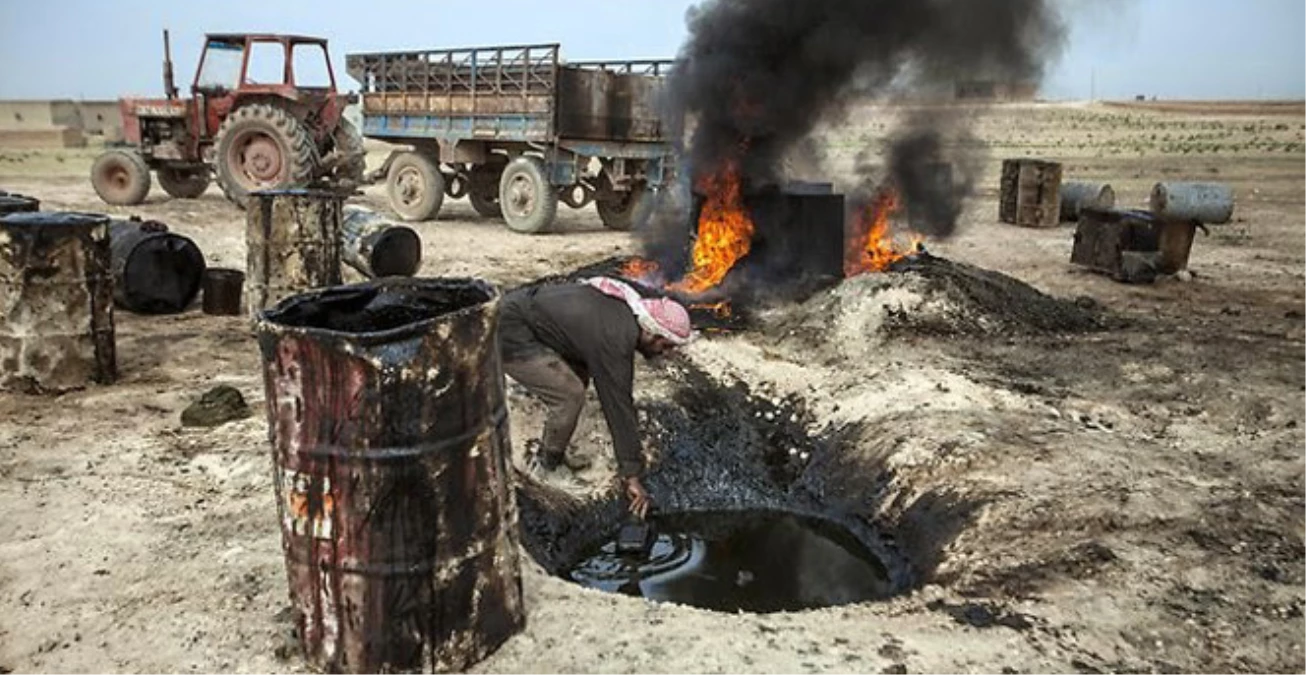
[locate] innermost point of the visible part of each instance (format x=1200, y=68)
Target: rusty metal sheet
x=385, y=403
x=56, y=302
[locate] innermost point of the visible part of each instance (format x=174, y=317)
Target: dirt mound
x=928, y=295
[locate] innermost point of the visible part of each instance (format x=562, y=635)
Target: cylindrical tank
x=390, y=446
x=56, y=302
x=154, y=270
x=222, y=291
x=377, y=247
x=12, y=203
x=292, y=243
x=1030, y=193
x=1204, y=202
x=1075, y=196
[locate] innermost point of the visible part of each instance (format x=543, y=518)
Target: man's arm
x=613, y=370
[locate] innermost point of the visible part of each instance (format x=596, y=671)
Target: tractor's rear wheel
x=415, y=187
x=259, y=147
x=349, y=142
x=183, y=183
x=121, y=177
x=529, y=202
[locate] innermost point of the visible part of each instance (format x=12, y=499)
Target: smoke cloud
x=756, y=78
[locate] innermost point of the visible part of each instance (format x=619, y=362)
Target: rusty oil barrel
x=222, y=288
x=1210, y=203
x=154, y=271
x=1076, y=196
x=377, y=247
x=15, y=203
x=390, y=446
x=1030, y=192
x=56, y=302
x=292, y=242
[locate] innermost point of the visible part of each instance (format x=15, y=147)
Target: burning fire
x=720, y=309
x=639, y=268
x=870, y=246
x=725, y=231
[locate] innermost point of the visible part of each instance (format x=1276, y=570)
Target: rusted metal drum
x=1030, y=193
x=154, y=270
x=1076, y=196
x=56, y=302
x=1203, y=202
x=222, y=291
x=13, y=203
x=390, y=445
x=377, y=247
x=292, y=243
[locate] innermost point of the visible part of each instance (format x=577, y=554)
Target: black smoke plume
x=756, y=78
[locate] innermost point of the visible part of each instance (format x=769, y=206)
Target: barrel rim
x=223, y=273
x=55, y=218
x=299, y=192
x=265, y=321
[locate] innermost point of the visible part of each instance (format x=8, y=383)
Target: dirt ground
x=1123, y=500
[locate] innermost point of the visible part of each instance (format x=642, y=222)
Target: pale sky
x=99, y=49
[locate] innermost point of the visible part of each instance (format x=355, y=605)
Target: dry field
x=1128, y=499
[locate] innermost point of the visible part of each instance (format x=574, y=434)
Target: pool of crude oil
x=754, y=561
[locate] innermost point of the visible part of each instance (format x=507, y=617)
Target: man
x=556, y=338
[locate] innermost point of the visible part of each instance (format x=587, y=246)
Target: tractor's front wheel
x=120, y=177
x=259, y=147
x=183, y=183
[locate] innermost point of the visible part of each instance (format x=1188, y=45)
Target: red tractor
x=263, y=113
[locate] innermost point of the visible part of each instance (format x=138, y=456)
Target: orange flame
x=639, y=268
x=725, y=231
x=870, y=245
x=720, y=309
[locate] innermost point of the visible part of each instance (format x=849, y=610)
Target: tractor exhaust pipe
x=169, y=86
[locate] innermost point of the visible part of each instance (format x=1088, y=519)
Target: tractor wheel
x=415, y=187
x=183, y=183
x=623, y=210
x=529, y=202
x=259, y=147
x=483, y=189
x=121, y=177
x=348, y=141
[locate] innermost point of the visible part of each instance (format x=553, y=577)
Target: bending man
x=556, y=338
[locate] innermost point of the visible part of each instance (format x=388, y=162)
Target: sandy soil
x=1127, y=500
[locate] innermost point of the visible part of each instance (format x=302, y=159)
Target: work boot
x=577, y=462
x=551, y=471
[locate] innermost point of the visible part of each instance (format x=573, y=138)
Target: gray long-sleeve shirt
x=592, y=331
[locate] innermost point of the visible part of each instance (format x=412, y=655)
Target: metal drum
x=391, y=450
x=1075, y=197
x=154, y=270
x=1030, y=193
x=222, y=291
x=377, y=247
x=1210, y=203
x=56, y=302
x=12, y=203
x=292, y=242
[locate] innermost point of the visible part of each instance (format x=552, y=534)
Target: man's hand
x=639, y=499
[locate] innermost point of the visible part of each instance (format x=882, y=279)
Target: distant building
x=57, y=123
x=995, y=90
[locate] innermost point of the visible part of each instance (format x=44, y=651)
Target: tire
x=483, y=189
x=259, y=147
x=627, y=209
x=529, y=202
x=183, y=183
x=348, y=141
x=120, y=177
x=415, y=187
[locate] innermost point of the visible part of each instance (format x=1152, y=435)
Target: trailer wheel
x=529, y=202
x=483, y=189
x=120, y=177
x=623, y=210
x=415, y=187
x=183, y=183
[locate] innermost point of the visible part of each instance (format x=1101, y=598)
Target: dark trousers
x=562, y=388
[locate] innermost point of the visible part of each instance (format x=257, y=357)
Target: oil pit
x=729, y=561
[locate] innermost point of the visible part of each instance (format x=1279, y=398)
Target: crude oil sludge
x=56, y=302
x=390, y=445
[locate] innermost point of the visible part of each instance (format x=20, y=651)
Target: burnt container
x=154, y=271
x=377, y=247
x=1117, y=242
x=390, y=444
x=56, y=302
x=222, y=291
x=292, y=243
x=1030, y=194
x=13, y=203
